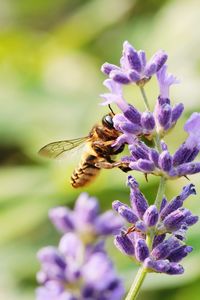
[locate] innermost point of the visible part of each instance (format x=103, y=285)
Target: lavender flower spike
x=133, y=66
x=69, y=266
x=145, y=220
x=85, y=220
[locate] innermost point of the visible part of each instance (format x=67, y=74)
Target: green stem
x=146, y=102
x=160, y=193
x=134, y=290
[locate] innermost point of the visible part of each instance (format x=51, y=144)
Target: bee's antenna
x=111, y=109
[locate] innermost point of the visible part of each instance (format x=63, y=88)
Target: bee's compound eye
x=108, y=121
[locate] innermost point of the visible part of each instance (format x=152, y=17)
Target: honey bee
x=98, y=155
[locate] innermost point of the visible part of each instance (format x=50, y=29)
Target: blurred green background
x=50, y=56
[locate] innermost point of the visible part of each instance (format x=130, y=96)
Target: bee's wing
x=57, y=149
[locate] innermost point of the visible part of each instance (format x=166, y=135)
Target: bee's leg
x=104, y=164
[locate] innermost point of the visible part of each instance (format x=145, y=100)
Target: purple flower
x=115, y=95
x=149, y=161
x=172, y=218
x=131, y=122
x=65, y=267
x=188, y=151
x=85, y=219
x=165, y=115
x=133, y=66
x=165, y=80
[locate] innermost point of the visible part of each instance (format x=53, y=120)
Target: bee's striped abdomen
x=85, y=172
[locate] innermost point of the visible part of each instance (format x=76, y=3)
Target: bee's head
x=107, y=121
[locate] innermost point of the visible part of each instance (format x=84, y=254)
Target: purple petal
x=86, y=209
x=133, y=59
x=174, y=220
x=159, y=266
x=119, y=77
x=175, y=269
x=62, y=218
x=163, y=204
x=150, y=216
x=101, y=279
x=191, y=220
x=165, y=80
x=140, y=226
x=133, y=115
x=165, y=161
x=158, y=239
x=192, y=128
x=162, y=250
x=164, y=116
x=178, y=254
x=124, y=244
x=105, y=226
x=71, y=246
x=159, y=58
x=150, y=69
x=188, y=168
x=141, y=250
x=142, y=56
x=138, y=201
x=106, y=68
x=51, y=255
x=127, y=213
x=164, y=146
x=147, y=121
x=171, y=206
x=133, y=75
x=177, y=112
x=181, y=156
x=139, y=152
x=116, y=204
x=129, y=127
x=154, y=156
x=146, y=166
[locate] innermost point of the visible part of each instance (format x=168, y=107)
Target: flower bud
x=150, y=216
x=119, y=77
x=106, y=68
x=165, y=161
x=159, y=266
x=147, y=121
x=62, y=218
x=173, y=221
x=164, y=116
x=141, y=250
x=178, y=254
x=145, y=165
x=177, y=112
x=132, y=114
x=124, y=244
x=127, y=213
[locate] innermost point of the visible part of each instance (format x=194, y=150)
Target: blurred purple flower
x=69, y=272
x=85, y=219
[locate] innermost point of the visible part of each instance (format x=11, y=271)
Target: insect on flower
x=99, y=153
